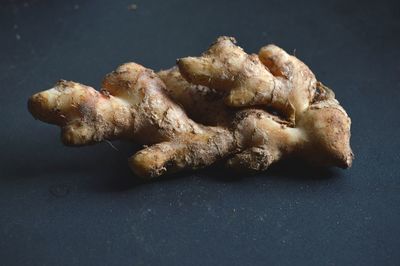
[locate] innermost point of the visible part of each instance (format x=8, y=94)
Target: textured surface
x=69, y=206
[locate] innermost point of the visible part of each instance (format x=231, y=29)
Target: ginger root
x=250, y=110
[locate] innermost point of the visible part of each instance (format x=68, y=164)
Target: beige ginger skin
x=209, y=108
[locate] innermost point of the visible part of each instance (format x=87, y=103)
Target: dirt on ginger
x=249, y=110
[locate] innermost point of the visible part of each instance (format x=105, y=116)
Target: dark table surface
x=69, y=206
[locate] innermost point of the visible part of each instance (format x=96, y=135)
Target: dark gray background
x=68, y=206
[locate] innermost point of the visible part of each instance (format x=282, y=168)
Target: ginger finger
x=84, y=114
x=193, y=152
x=226, y=67
x=140, y=105
x=301, y=79
x=321, y=137
x=327, y=126
x=317, y=111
